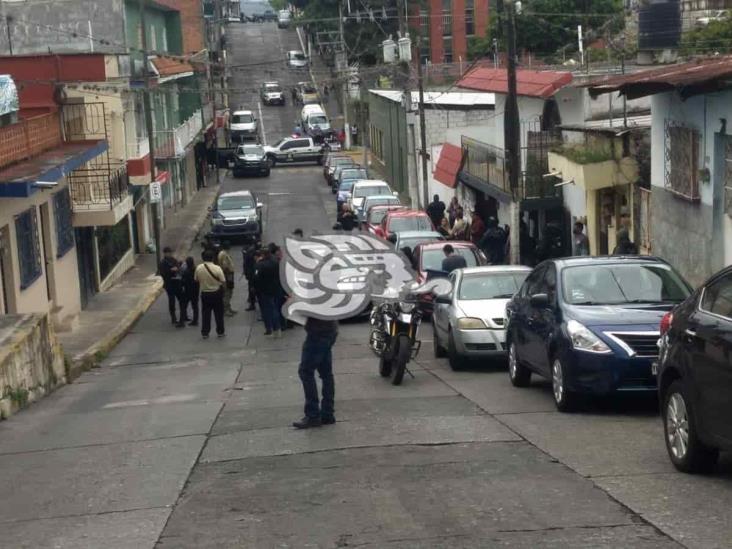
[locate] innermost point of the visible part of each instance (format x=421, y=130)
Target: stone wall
x=31, y=361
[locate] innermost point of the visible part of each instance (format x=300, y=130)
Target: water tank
x=390, y=50
x=405, y=48
x=659, y=26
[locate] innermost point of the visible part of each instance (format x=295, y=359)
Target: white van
x=313, y=117
x=283, y=19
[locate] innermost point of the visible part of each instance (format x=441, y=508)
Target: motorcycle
x=394, y=336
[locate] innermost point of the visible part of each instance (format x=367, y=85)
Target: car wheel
x=236, y=173
x=272, y=160
x=266, y=173
x=436, y=347
x=687, y=452
x=519, y=374
x=564, y=400
x=456, y=361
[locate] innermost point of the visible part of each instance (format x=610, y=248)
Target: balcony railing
x=173, y=143
x=138, y=148
x=486, y=163
x=98, y=187
x=28, y=138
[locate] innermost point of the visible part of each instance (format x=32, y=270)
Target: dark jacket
x=190, y=286
x=267, y=277
x=316, y=326
x=493, y=243
x=348, y=221
x=171, y=279
x=452, y=262
x=250, y=265
x=436, y=211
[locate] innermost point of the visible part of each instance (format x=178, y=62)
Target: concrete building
x=395, y=135
x=446, y=26
x=690, y=205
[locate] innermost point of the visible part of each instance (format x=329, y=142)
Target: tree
x=715, y=37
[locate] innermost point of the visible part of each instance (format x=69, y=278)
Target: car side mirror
x=539, y=301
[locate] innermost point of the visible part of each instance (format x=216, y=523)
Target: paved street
x=183, y=443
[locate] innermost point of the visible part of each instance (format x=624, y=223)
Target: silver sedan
x=470, y=322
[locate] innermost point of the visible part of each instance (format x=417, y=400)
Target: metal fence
x=485, y=162
x=100, y=186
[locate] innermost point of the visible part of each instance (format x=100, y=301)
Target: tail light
x=666, y=322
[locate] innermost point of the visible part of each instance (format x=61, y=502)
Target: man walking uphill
x=317, y=356
x=169, y=270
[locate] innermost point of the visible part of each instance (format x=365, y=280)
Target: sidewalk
x=110, y=315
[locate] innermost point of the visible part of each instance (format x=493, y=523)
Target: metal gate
x=645, y=243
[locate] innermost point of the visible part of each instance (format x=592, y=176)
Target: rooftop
x=695, y=77
x=529, y=83
x=446, y=98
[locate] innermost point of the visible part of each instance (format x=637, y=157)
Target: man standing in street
x=317, y=356
x=250, y=263
x=436, y=210
x=580, y=242
x=227, y=265
x=452, y=260
x=493, y=242
x=169, y=270
x=211, y=282
x=267, y=281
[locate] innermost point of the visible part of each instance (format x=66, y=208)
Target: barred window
x=469, y=17
x=682, y=161
x=29, y=251
x=64, y=226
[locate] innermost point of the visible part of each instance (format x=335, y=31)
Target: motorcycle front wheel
x=384, y=367
x=404, y=349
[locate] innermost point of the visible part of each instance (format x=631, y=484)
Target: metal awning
x=45, y=170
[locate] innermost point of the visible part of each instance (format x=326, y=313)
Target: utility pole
x=220, y=49
x=512, y=135
x=8, y=30
x=422, y=128
x=155, y=206
x=362, y=121
x=344, y=69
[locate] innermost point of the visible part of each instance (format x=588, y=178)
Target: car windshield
x=317, y=119
x=347, y=185
x=432, y=259
x=490, y=285
x=272, y=88
x=279, y=143
x=242, y=119
x=236, y=203
x=355, y=174
x=252, y=149
x=371, y=190
x=343, y=162
x=411, y=223
x=622, y=283
x=298, y=56
x=380, y=200
x=413, y=241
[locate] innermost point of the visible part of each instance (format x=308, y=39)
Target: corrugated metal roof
x=541, y=84
x=448, y=165
x=447, y=98
x=611, y=125
x=687, y=78
x=166, y=66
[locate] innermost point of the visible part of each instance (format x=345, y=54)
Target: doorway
x=49, y=266
x=85, y=260
x=7, y=306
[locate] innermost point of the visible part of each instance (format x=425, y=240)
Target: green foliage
x=544, y=34
x=17, y=395
x=583, y=154
x=715, y=37
x=479, y=47
x=278, y=5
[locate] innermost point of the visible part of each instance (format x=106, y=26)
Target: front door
x=85, y=259
x=709, y=333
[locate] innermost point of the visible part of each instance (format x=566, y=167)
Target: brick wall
x=191, y=21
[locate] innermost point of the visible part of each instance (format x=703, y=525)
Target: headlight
x=217, y=219
x=406, y=307
x=584, y=340
x=468, y=323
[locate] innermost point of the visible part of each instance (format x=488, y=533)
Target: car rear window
x=432, y=259
x=353, y=174
x=236, y=203
x=242, y=118
x=411, y=223
x=371, y=190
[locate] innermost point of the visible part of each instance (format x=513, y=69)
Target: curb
x=92, y=356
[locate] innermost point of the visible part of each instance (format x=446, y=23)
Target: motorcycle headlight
x=468, y=323
x=406, y=307
x=584, y=340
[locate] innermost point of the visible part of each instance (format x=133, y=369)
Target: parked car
x=271, y=93
x=243, y=126
x=374, y=215
x=296, y=59
x=314, y=120
x=344, y=173
x=591, y=324
x=470, y=321
x=376, y=200
x=412, y=239
x=270, y=15
x=283, y=19
x=237, y=215
x=294, y=149
x=695, y=376
x=306, y=93
x=250, y=159
x=346, y=177
x=405, y=220
x=332, y=162
x=368, y=187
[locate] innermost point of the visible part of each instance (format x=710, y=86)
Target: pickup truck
x=294, y=149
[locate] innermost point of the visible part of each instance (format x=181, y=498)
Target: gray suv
x=237, y=215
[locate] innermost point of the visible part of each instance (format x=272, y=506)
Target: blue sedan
x=591, y=324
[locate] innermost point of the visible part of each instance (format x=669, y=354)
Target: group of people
x=211, y=282
x=262, y=271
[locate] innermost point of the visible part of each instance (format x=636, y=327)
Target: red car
x=404, y=220
x=375, y=215
x=429, y=256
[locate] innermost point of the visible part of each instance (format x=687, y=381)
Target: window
x=497, y=286
x=469, y=17
x=446, y=17
x=681, y=166
x=718, y=298
x=447, y=45
x=64, y=227
x=29, y=251
x=377, y=142
x=113, y=243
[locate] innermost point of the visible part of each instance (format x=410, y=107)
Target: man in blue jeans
x=317, y=357
x=267, y=283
